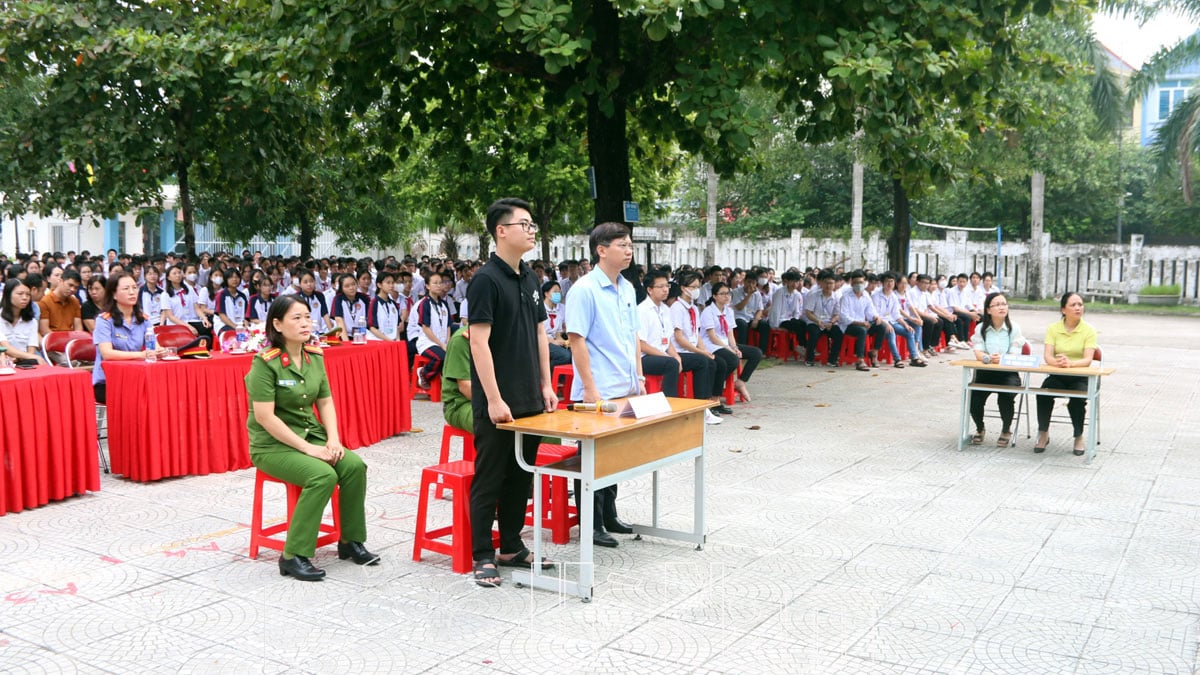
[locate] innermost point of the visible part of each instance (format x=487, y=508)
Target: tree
x=137, y=91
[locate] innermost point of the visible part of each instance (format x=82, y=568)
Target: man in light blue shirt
x=604, y=346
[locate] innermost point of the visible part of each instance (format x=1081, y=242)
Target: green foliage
x=1169, y=289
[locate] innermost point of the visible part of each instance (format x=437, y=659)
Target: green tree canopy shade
x=670, y=70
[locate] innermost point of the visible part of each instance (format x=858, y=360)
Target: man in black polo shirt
x=510, y=378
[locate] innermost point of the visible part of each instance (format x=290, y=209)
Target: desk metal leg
x=698, y=502
x=1093, y=404
x=587, y=518
x=962, y=409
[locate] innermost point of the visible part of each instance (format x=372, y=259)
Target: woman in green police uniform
x=288, y=442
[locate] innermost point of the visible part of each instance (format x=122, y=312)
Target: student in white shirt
x=749, y=313
x=961, y=302
x=150, y=295
x=857, y=318
x=821, y=313
x=685, y=321
x=717, y=333
x=179, y=300
x=888, y=307
x=383, y=314
x=787, y=307
x=433, y=320
x=556, y=324
x=659, y=356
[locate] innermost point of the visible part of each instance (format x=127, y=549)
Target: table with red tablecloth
x=48, y=446
x=188, y=417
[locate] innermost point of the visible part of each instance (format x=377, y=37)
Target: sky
x=1136, y=44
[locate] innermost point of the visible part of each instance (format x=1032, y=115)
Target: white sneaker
x=710, y=418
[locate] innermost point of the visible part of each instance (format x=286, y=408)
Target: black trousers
x=500, y=489
x=1075, y=406
x=835, y=343
x=665, y=366
x=931, y=333
x=962, y=326
x=741, y=331
x=704, y=374
x=860, y=334
x=795, y=327
x=1003, y=400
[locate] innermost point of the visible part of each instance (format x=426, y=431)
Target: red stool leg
x=256, y=518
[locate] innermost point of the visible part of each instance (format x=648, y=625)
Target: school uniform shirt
x=22, y=335
x=604, y=313
x=657, y=329
x=232, y=304
x=352, y=312
x=785, y=306
x=956, y=299
x=721, y=323
x=976, y=295
x=703, y=294
x=317, y=309
x=753, y=305
x=434, y=314
x=151, y=299
x=824, y=308
x=384, y=314
x=556, y=321
x=887, y=307
x=918, y=300
x=258, y=307
x=855, y=308
x=182, y=304
x=323, y=284
x=128, y=337
x=686, y=317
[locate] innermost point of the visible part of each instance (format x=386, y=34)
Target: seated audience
x=121, y=330
x=1070, y=343
x=18, y=329
x=995, y=336
x=556, y=324
x=821, y=312
x=716, y=330
x=60, y=308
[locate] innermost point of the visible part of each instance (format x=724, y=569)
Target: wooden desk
x=612, y=449
x=1093, y=375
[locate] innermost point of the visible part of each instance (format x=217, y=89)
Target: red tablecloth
x=47, y=437
x=189, y=417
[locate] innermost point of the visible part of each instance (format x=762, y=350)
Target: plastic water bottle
x=243, y=336
x=151, y=345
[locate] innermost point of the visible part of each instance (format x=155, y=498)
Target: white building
x=125, y=233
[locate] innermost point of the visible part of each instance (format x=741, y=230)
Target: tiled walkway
x=846, y=534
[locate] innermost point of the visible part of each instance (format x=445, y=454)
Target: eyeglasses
x=527, y=225
x=658, y=287
x=723, y=293
x=624, y=244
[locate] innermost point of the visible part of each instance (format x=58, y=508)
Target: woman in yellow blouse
x=1070, y=343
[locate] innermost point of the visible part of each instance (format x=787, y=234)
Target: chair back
x=1097, y=355
x=1026, y=350
x=173, y=336
x=80, y=350
x=56, y=341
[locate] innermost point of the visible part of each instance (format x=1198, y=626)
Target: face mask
x=191, y=278
x=556, y=297
x=685, y=294
x=217, y=281
x=858, y=288
x=762, y=281
x=941, y=283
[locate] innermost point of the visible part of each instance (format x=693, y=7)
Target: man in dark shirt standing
x=510, y=378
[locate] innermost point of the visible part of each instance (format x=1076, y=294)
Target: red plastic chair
x=783, y=345
x=456, y=477
x=173, y=335
x=564, y=375
x=559, y=515
x=434, y=392
x=468, y=449
x=265, y=536
x=55, y=342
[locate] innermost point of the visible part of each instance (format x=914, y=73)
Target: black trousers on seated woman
x=1003, y=400
x=101, y=390
x=1075, y=406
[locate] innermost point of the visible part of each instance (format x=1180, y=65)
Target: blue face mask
x=556, y=297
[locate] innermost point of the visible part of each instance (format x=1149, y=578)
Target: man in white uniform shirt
x=821, y=313
x=857, y=318
x=749, y=313
x=787, y=307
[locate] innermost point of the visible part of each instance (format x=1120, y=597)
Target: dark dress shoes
x=300, y=568
x=601, y=538
x=356, y=552
x=723, y=410
x=618, y=526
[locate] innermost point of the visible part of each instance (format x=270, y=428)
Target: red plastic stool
x=565, y=375
x=687, y=384
x=468, y=446
x=880, y=345
x=731, y=394
x=821, y=352
x=559, y=515
x=848, y=356
x=265, y=537
x=783, y=345
x=654, y=384
x=434, y=392
x=456, y=477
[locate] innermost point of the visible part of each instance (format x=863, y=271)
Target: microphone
x=601, y=407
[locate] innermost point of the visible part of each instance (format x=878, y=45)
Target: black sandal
x=488, y=577
x=524, y=560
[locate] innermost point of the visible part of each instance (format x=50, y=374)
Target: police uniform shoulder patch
x=313, y=349
x=268, y=354
x=105, y=315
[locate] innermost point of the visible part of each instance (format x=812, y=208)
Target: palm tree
x=1178, y=138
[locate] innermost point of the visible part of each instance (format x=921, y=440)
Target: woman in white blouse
x=717, y=332
x=18, y=329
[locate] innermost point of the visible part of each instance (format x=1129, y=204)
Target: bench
x=1113, y=290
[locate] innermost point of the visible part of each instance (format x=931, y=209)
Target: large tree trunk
x=901, y=229
x=185, y=205
x=608, y=147
x=307, y=233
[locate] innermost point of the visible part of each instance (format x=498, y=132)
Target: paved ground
x=846, y=534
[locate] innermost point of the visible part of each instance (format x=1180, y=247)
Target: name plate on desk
x=645, y=406
x=1020, y=360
